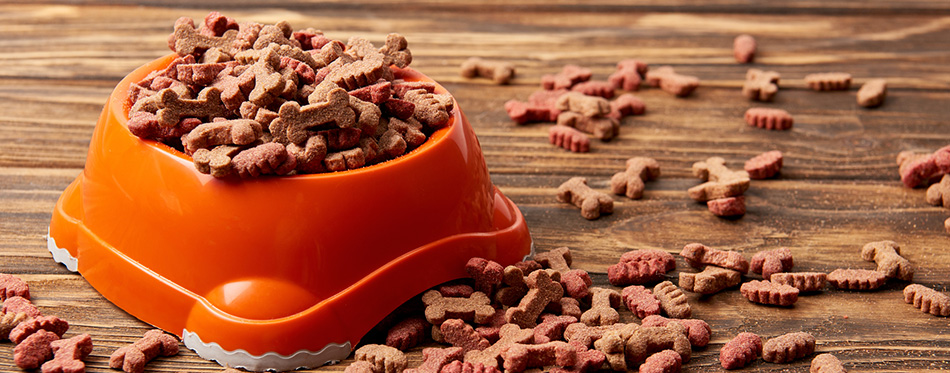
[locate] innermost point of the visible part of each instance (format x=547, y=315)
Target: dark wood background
x=839, y=188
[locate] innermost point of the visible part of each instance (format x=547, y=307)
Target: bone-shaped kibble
x=510, y=334
x=584, y=335
x=710, y=281
x=222, y=132
x=743, y=48
x=856, y=279
x=68, y=355
x=595, y=88
x=769, y=118
x=648, y=340
x=34, y=350
x=12, y=286
x=9, y=321
x=187, y=40
x=566, y=306
x=311, y=155
x=927, y=300
x=672, y=300
x=17, y=304
x=352, y=74
x=200, y=73
x=48, y=323
x=889, y=261
x=384, y=359
x=431, y=109
x=498, y=71
x=826, y=363
x=132, y=358
x=523, y=112
x=217, y=161
x=266, y=159
x=626, y=104
x=603, y=307
x=767, y=292
x=630, y=182
x=697, y=255
x=476, y=308
x=803, y=281
x=721, y=182
x=588, y=106
x=872, y=93
x=939, y=194
x=567, y=78
x=297, y=121
x=542, y=290
x=516, y=288
x=460, y=334
x=486, y=273
x=760, y=85
x=279, y=33
x=640, y=301
x=671, y=82
x=769, y=262
x=697, y=331
x=169, y=107
x=628, y=75
x=740, y=351
x=613, y=343
x=552, y=328
x=519, y=357
x=828, y=81
x=916, y=169
x=603, y=128
x=592, y=203
x=788, y=347
x=765, y=165
x=396, y=51
x=558, y=259
x=568, y=138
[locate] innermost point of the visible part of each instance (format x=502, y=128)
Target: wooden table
x=839, y=188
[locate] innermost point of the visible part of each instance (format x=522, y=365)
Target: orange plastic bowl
x=276, y=273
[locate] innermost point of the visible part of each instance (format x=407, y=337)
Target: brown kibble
x=856, y=279
x=710, y=281
x=297, y=120
x=519, y=357
x=769, y=118
x=626, y=104
x=17, y=304
x=558, y=259
x=889, y=261
x=588, y=106
x=510, y=334
x=602, y=128
x=432, y=109
x=187, y=40
x=788, y=347
x=222, y=132
x=217, y=161
x=592, y=203
x=384, y=359
x=603, y=310
x=407, y=333
x=648, y=340
x=569, y=138
x=630, y=182
x=169, y=107
x=613, y=343
x=927, y=300
x=729, y=206
x=765, y=165
x=476, y=308
x=698, y=255
x=740, y=351
x=132, y=358
x=12, y=286
x=499, y=72
x=803, y=281
x=743, y=48
x=721, y=182
x=697, y=331
x=542, y=290
x=47, y=323
x=939, y=194
x=666, y=361
x=567, y=78
x=828, y=81
x=466, y=367
x=760, y=85
x=640, y=301
x=552, y=328
x=516, y=288
x=672, y=300
x=872, y=93
x=34, y=350
x=566, y=306
x=671, y=82
x=459, y=334
x=358, y=366
x=769, y=262
x=826, y=363
x=68, y=355
x=9, y=321
x=767, y=292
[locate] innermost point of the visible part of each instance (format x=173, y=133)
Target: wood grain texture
x=838, y=190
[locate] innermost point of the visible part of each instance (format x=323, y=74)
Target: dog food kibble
x=12, y=286
x=872, y=93
x=856, y=279
x=927, y=300
x=509, y=335
x=591, y=202
x=407, y=333
x=358, y=366
x=666, y=361
x=640, y=301
x=740, y=351
x=629, y=74
x=460, y=334
x=729, y=206
x=828, y=81
x=613, y=343
x=803, y=281
x=917, y=169
x=769, y=118
x=476, y=308
x=743, y=48
x=458, y=366
x=558, y=259
x=456, y=290
x=486, y=273
x=17, y=304
x=720, y=181
x=826, y=363
x=567, y=78
x=760, y=85
x=770, y=262
x=710, y=281
x=132, y=358
x=47, y=323
x=68, y=355
x=576, y=283
x=603, y=309
x=671, y=82
x=697, y=331
x=588, y=106
x=595, y=88
x=626, y=104
x=601, y=127
x=542, y=289
x=672, y=300
x=519, y=357
x=939, y=194
x=569, y=138
x=765, y=165
x=384, y=359
x=630, y=182
x=648, y=340
x=34, y=350
x=552, y=328
x=9, y=321
x=640, y=267
x=767, y=292
x=889, y=261
x=788, y=347
x=698, y=255
x=499, y=72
